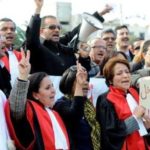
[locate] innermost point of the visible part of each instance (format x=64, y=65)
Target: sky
x=132, y=10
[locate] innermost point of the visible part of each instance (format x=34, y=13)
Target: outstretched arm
x=33, y=29
x=39, y=5
x=18, y=95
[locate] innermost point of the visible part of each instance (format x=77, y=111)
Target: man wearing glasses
x=49, y=52
x=98, y=50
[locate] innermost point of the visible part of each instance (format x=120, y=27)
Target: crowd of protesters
x=30, y=116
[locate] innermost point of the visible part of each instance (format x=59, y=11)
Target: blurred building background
x=135, y=14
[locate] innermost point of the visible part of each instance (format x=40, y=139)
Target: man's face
x=122, y=38
x=110, y=41
x=98, y=51
x=2, y=44
x=137, y=46
x=7, y=29
x=51, y=30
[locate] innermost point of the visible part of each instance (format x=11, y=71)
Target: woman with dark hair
x=118, y=110
x=78, y=112
x=32, y=123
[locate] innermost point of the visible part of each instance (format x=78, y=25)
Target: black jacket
x=5, y=85
x=112, y=129
x=72, y=113
x=50, y=57
x=47, y=56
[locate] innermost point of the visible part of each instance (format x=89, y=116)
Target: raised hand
x=81, y=81
x=81, y=76
x=24, y=65
x=39, y=5
x=106, y=10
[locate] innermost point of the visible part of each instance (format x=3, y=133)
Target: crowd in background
x=31, y=117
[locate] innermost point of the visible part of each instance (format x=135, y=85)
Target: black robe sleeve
x=113, y=131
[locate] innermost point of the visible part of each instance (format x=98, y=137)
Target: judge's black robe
x=113, y=131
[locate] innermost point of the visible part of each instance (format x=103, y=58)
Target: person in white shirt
x=5, y=142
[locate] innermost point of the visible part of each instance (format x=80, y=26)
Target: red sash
x=44, y=123
x=116, y=96
x=5, y=59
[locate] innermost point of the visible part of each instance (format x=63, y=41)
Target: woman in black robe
x=120, y=127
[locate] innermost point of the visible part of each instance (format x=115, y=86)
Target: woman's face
x=122, y=77
x=46, y=93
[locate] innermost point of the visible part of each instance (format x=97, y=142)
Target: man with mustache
x=122, y=41
x=9, y=57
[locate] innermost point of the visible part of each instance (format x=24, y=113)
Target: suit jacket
x=5, y=85
x=5, y=76
x=47, y=56
x=50, y=57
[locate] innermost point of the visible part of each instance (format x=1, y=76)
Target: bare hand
x=139, y=111
x=24, y=65
x=146, y=118
x=81, y=75
x=39, y=4
x=106, y=10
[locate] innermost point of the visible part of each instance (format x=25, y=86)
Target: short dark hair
x=67, y=80
x=108, y=31
x=8, y=20
x=35, y=81
x=108, y=70
x=45, y=17
x=121, y=27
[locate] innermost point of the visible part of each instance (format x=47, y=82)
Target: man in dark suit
x=47, y=51
x=12, y=56
x=5, y=85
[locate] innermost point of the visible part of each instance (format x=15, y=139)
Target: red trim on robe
x=12, y=130
x=44, y=123
x=5, y=59
x=116, y=96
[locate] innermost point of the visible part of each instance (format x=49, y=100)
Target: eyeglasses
x=109, y=38
x=99, y=47
x=53, y=27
